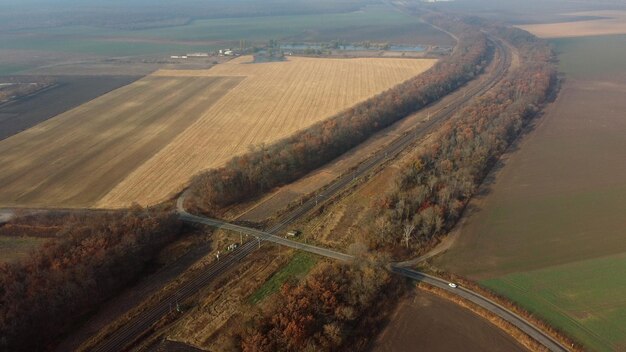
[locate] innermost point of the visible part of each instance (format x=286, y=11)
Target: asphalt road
x=266, y=236
x=338, y=185
x=124, y=337
x=484, y=302
x=467, y=294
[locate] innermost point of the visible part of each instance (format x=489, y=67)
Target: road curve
x=484, y=302
x=123, y=338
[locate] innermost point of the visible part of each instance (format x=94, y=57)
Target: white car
x=452, y=285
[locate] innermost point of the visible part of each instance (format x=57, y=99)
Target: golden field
x=75, y=158
x=613, y=22
x=144, y=142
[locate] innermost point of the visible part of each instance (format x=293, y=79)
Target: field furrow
x=275, y=100
x=77, y=157
x=143, y=142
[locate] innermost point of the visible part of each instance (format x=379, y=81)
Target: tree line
x=433, y=188
x=91, y=258
x=266, y=167
x=337, y=307
x=333, y=309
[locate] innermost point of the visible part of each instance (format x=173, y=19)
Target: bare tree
x=407, y=232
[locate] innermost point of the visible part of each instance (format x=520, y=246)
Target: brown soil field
x=547, y=230
x=75, y=158
x=553, y=199
x=273, y=101
x=70, y=92
x=611, y=22
x=426, y=322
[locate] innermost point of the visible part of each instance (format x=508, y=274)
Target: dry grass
x=273, y=101
x=223, y=306
x=613, y=23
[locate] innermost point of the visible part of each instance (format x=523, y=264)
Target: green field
x=279, y=27
x=550, y=230
x=299, y=265
x=96, y=46
x=585, y=298
x=374, y=23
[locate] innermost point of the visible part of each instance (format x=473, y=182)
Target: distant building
x=198, y=55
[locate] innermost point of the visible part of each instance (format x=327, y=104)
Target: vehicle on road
x=453, y=285
x=293, y=233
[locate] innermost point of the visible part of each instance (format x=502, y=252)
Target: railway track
x=123, y=338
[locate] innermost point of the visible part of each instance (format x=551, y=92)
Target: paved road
x=266, y=236
x=467, y=294
x=484, y=302
x=122, y=338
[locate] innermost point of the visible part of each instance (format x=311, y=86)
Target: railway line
x=124, y=337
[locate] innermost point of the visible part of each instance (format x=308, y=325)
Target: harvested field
x=70, y=92
x=609, y=22
x=274, y=202
x=73, y=159
x=143, y=142
x=273, y=101
x=425, y=322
